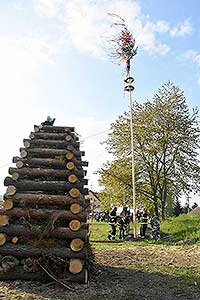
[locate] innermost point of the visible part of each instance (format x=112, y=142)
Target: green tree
x=166, y=140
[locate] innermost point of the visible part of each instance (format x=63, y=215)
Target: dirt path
x=135, y=273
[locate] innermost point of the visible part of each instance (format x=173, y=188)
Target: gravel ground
x=135, y=273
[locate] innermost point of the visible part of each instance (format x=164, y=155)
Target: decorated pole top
x=123, y=49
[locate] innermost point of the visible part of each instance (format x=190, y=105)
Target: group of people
x=123, y=221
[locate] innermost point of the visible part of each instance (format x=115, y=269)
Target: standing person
x=144, y=223
x=155, y=232
x=112, y=223
x=121, y=224
x=127, y=223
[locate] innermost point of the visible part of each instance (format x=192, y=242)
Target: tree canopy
x=166, y=144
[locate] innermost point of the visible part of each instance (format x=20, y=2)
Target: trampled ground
x=126, y=271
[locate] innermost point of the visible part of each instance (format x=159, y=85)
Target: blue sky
x=53, y=61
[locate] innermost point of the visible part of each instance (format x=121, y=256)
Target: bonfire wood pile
x=43, y=229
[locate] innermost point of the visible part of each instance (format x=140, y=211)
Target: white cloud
x=182, y=29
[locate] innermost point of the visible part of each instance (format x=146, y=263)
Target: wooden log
x=47, y=162
x=43, y=213
x=7, y=204
x=36, y=232
x=46, y=199
x=9, y=263
x=32, y=173
x=3, y=239
x=53, y=136
x=11, y=190
x=48, y=153
x=19, y=274
x=31, y=185
x=76, y=208
x=72, y=178
x=75, y=265
x=3, y=220
x=75, y=225
x=59, y=129
x=50, y=143
x=77, y=244
x=33, y=251
x=14, y=240
x=76, y=152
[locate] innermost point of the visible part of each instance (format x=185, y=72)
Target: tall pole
x=129, y=88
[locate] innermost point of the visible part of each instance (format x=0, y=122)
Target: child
x=121, y=225
x=155, y=224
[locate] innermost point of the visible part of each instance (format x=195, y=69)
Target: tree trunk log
x=43, y=213
x=11, y=190
x=32, y=173
x=31, y=185
x=50, y=143
x=3, y=220
x=48, y=153
x=8, y=204
x=32, y=251
x=36, y=231
x=20, y=274
x=58, y=129
x=75, y=265
x=48, y=162
x=24, y=199
x=3, y=238
x=77, y=244
x=53, y=136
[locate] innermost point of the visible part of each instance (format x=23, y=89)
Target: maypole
x=124, y=50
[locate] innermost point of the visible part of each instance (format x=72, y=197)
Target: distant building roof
x=196, y=210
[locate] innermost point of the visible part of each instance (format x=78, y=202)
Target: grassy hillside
x=185, y=227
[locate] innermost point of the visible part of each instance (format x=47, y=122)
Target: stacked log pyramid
x=43, y=229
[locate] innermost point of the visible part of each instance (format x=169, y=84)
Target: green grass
x=182, y=228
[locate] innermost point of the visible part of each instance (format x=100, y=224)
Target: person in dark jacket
x=143, y=223
x=113, y=223
x=121, y=224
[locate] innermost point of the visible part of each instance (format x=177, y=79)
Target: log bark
x=37, y=231
x=24, y=199
x=40, y=276
x=31, y=185
x=59, y=129
x=47, y=162
x=48, y=153
x=53, y=136
x=32, y=173
x=58, y=144
x=43, y=213
x=33, y=251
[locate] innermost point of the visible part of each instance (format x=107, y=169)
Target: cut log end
x=70, y=165
x=3, y=220
x=15, y=176
x=75, y=225
x=19, y=164
x=77, y=245
x=2, y=238
x=14, y=240
x=69, y=155
x=74, y=193
x=27, y=144
x=68, y=138
x=75, y=266
x=7, y=204
x=75, y=208
x=11, y=190
x=23, y=153
x=72, y=178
